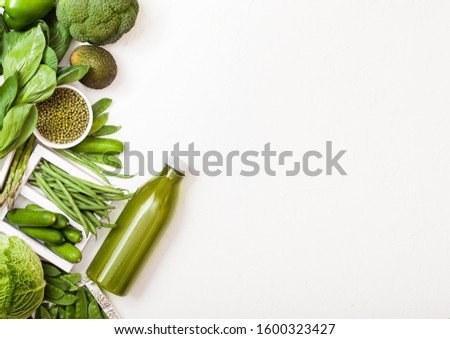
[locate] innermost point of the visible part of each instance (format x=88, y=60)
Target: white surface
x=373, y=77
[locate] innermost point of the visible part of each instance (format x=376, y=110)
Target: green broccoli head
x=99, y=22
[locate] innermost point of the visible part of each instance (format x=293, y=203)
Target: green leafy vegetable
x=22, y=279
x=40, y=87
x=67, y=75
x=60, y=37
x=26, y=55
x=8, y=93
x=50, y=59
x=13, y=123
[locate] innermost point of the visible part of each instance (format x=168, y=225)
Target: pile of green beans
x=82, y=200
x=65, y=299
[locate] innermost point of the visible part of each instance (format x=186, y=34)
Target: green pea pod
x=100, y=106
x=70, y=312
x=107, y=130
x=61, y=313
x=99, y=146
x=74, y=278
x=43, y=313
x=81, y=306
x=20, y=14
x=53, y=311
x=50, y=270
x=94, y=311
x=67, y=299
x=58, y=282
x=53, y=292
x=99, y=122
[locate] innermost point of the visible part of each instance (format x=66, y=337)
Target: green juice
x=127, y=245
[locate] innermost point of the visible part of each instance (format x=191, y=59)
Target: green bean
x=52, y=196
x=105, y=225
x=91, y=226
x=75, y=207
x=70, y=183
x=84, y=162
x=88, y=183
x=92, y=218
x=106, y=197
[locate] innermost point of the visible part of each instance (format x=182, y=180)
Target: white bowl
x=50, y=144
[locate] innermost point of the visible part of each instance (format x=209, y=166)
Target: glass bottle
x=126, y=246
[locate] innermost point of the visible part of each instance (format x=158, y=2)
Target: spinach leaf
x=26, y=55
x=13, y=123
x=60, y=37
x=50, y=59
x=40, y=87
x=8, y=93
x=27, y=129
x=69, y=74
x=10, y=39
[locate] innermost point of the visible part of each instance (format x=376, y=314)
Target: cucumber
x=66, y=251
x=61, y=220
x=45, y=234
x=30, y=218
x=72, y=234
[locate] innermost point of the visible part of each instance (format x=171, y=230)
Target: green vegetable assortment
x=65, y=299
x=35, y=37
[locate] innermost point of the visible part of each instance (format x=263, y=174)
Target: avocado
x=103, y=67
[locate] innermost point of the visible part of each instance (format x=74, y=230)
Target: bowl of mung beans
x=64, y=119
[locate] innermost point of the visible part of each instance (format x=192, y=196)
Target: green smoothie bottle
x=127, y=245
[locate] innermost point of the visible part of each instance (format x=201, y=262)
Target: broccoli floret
x=99, y=22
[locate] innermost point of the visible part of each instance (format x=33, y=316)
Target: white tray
x=28, y=194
